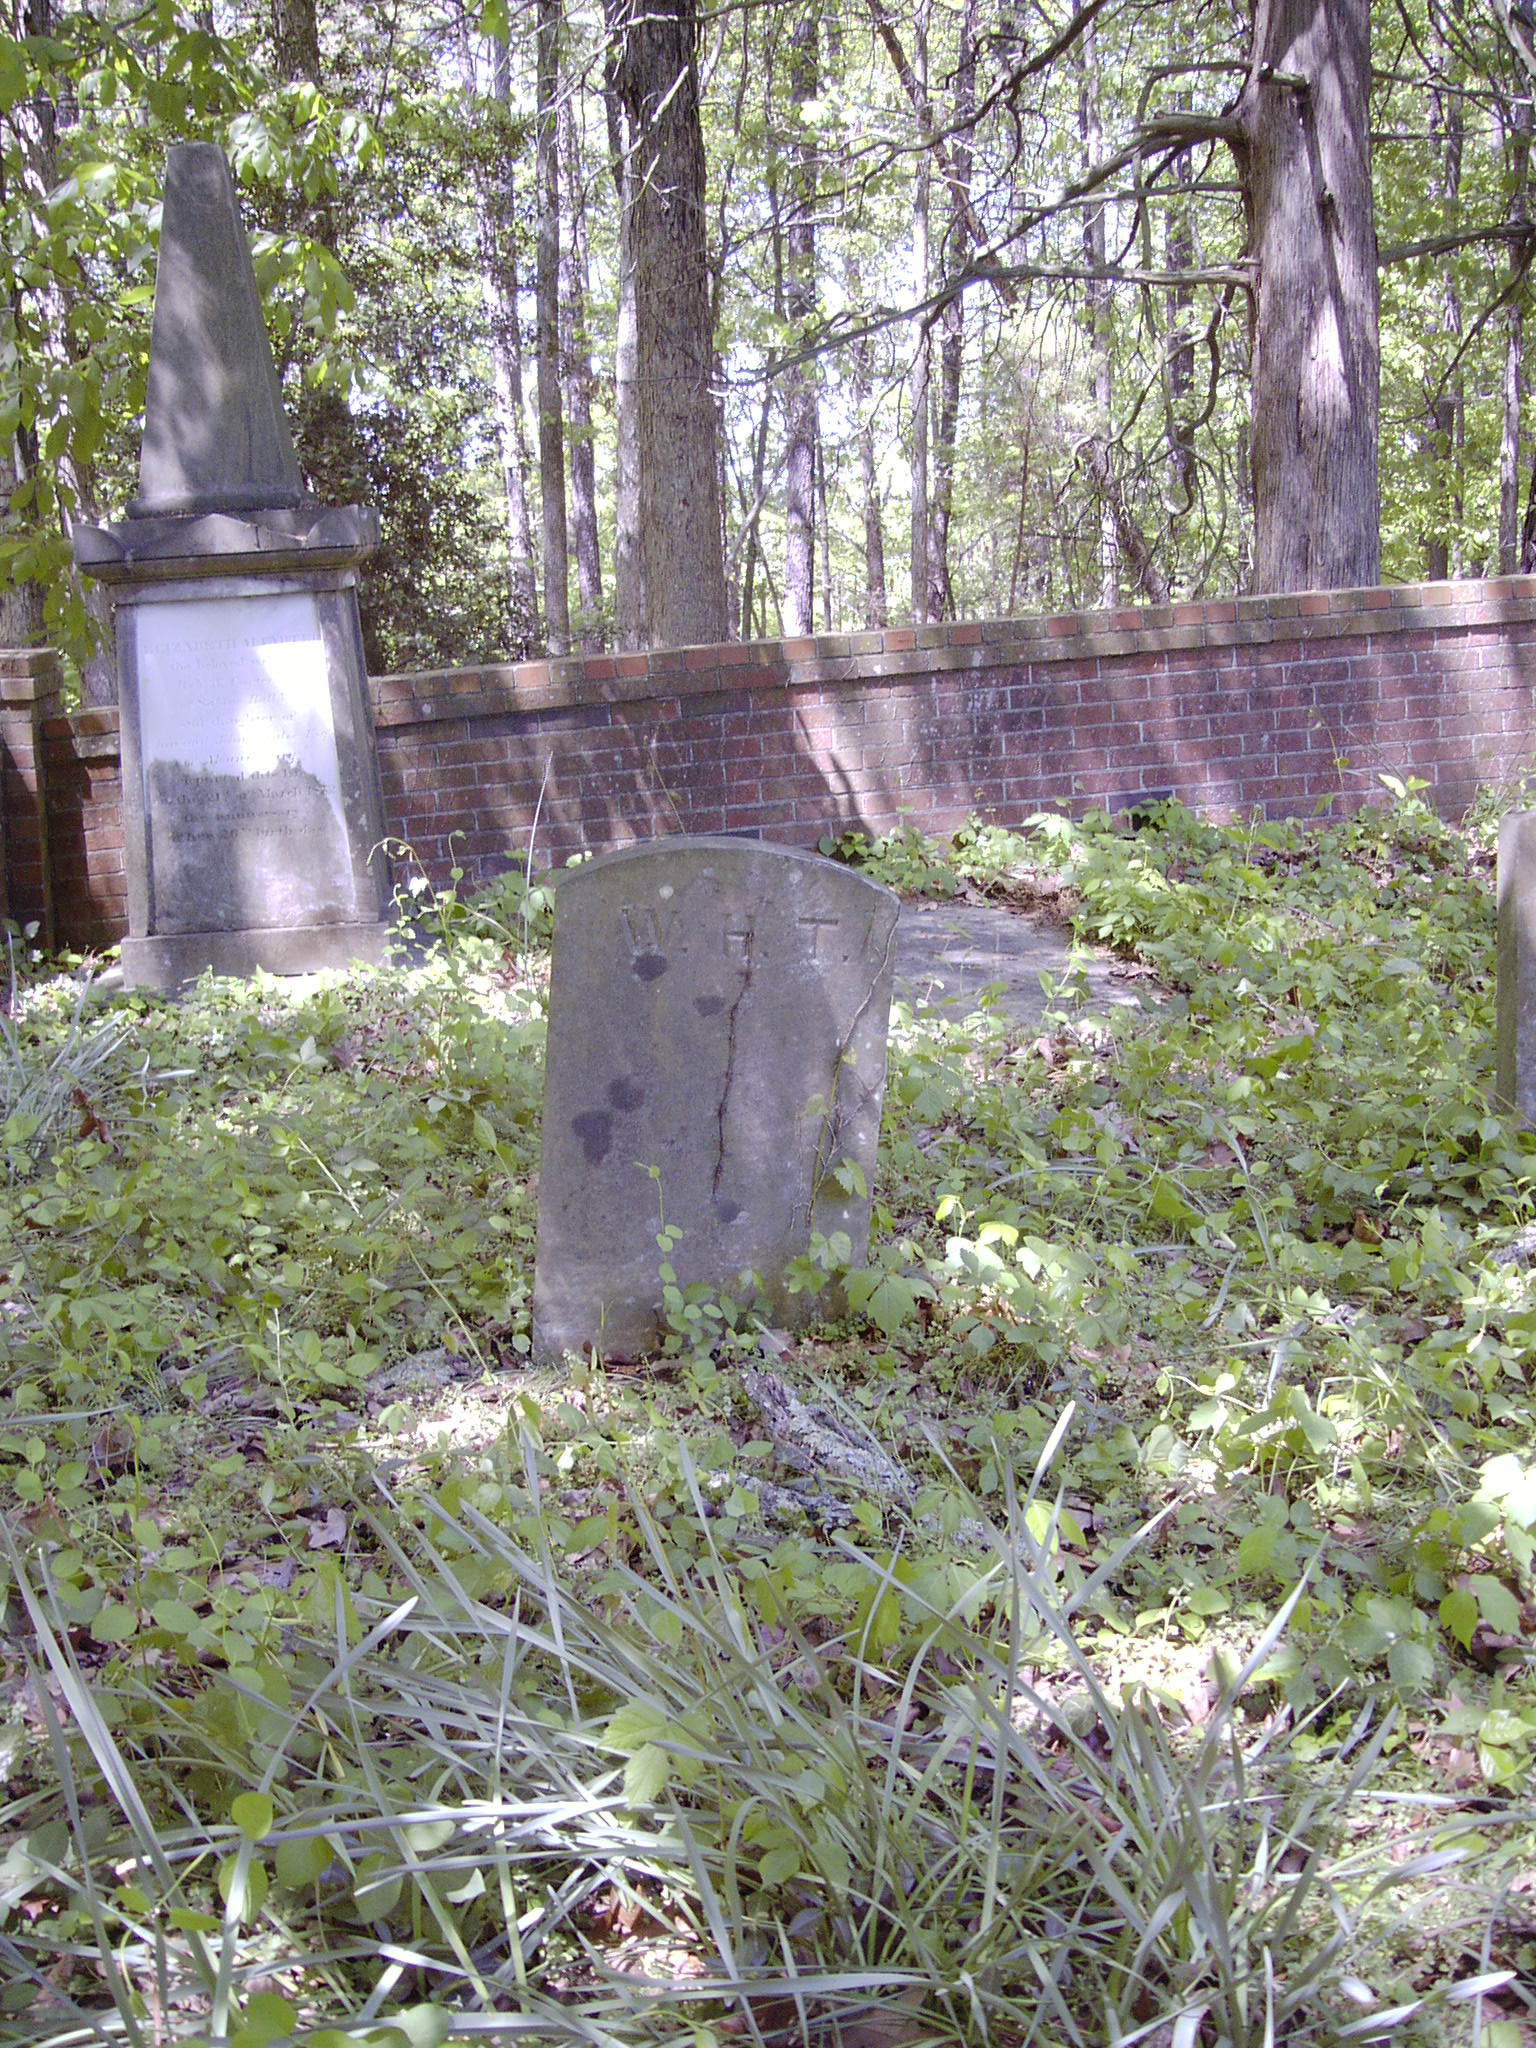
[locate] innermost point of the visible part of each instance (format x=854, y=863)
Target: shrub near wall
x=1277, y=705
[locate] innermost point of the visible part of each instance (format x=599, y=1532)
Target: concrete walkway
x=947, y=953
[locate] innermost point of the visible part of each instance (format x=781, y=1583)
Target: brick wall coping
x=572, y=681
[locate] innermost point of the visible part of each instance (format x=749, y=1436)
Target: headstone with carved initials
x=718, y=1013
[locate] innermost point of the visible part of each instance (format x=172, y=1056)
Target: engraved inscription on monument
x=240, y=765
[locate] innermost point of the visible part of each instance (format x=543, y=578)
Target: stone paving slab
x=947, y=953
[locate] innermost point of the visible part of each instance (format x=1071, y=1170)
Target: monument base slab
x=170, y=960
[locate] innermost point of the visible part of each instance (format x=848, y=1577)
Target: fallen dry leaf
x=327, y=1531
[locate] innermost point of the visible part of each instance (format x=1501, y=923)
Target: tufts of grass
x=495, y=1806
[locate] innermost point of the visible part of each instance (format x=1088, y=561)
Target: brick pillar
x=31, y=679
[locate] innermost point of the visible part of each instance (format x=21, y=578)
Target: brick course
x=1272, y=705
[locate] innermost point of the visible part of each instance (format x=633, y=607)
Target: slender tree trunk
x=917, y=376
x=941, y=596
x=296, y=39
x=656, y=75
x=557, y=617
x=875, y=608
x=1509, y=445
x=800, y=309
x=824, y=532
x=1101, y=465
x=628, y=565
x=1517, y=128
x=1018, y=535
x=496, y=251
x=1305, y=110
x=750, y=512
x=1179, y=356
x=578, y=385
x=1442, y=542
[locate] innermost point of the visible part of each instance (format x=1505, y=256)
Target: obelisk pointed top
x=215, y=436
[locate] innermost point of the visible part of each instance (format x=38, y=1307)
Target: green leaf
x=376, y=1888
x=1498, y=1606
x=253, y=1814
x=1209, y=1600
x=645, y=1774
x=424, y=2026
x=268, y=2017
x=637, y=1722
x=1505, y=1730
x=1458, y=1615
x=14, y=73
x=1284, y=1052
x=115, y=1624
x=174, y=1616
x=1169, y=1202
x=888, y=1299
x=779, y=1866
x=301, y=1862
x=1257, y=1548
x=423, y=1837
x=1410, y=1664
x=246, y=1893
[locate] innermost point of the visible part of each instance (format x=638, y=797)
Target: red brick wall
x=30, y=680
x=1278, y=704
x=85, y=813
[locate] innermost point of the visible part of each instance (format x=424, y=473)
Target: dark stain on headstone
x=727, y=1210
x=594, y=1127
x=625, y=1094
x=651, y=966
x=709, y=1006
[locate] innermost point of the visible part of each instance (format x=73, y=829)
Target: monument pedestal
x=252, y=816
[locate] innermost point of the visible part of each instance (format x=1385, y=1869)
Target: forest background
x=654, y=324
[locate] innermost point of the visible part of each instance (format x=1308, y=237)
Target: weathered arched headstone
x=718, y=1011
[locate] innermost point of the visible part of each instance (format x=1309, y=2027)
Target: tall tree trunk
x=628, y=563
x=824, y=532
x=1442, y=542
x=496, y=252
x=1101, y=465
x=1517, y=139
x=557, y=617
x=1179, y=356
x=917, y=376
x=1305, y=113
x=578, y=385
x=941, y=596
x=751, y=543
x=875, y=607
x=656, y=74
x=800, y=308
x=1509, y=445
x=296, y=39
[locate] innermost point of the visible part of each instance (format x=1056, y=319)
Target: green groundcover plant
x=365, y=1682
